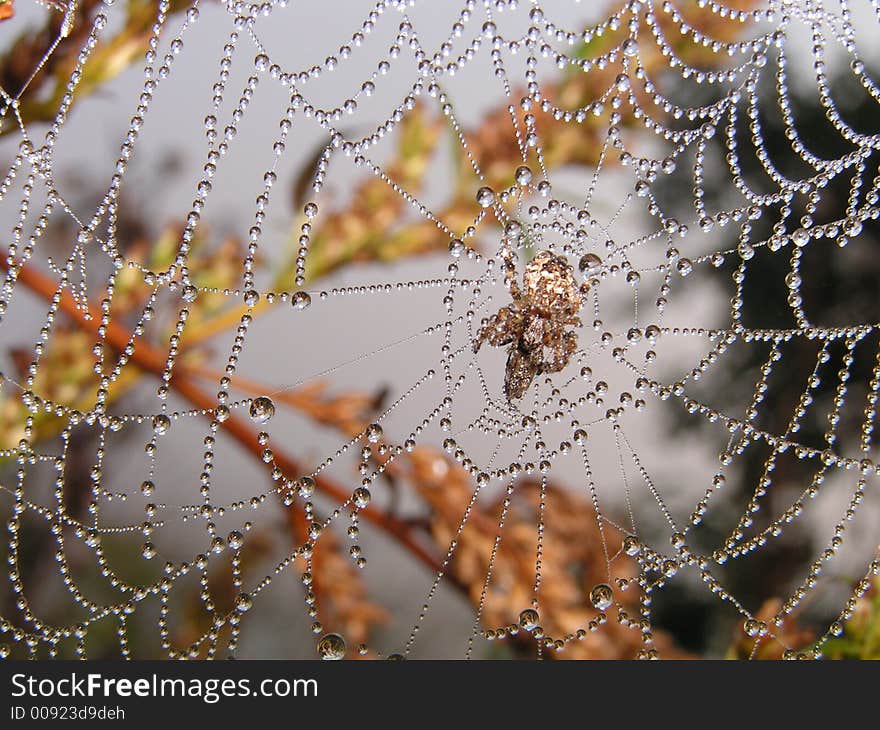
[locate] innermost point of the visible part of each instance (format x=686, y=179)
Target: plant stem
x=152, y=360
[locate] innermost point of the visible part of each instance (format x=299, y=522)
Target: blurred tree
x=838, y=288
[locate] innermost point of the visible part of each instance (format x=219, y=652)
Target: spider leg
x=514, y=289
x=62, y=6
x=508, y=266
x=502, y=328
x=557, y=355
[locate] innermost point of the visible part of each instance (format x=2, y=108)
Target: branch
x=152, y=360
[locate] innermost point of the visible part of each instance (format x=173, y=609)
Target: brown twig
x=306, y=401
x=151, y=359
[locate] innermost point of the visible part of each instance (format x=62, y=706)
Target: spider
x=534, y=324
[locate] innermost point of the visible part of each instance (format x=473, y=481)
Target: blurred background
x=334, y=367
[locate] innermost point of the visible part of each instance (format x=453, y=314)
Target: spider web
x=663, y=313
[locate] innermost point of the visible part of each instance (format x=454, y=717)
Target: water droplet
x=161, y=424
x=529, y=619
x=300, y=300
x=235, y=540
x=373, y=433
x=523, y=175
x=485, y=197
x=456, y=247
x=262, y=409
x=244, y=602
x=852, y=227
x=630, y=47
x=801, y=237
x=361, y=497
x=190, y=293
x=589, y=263
x=331, y=647
x=602, y=596
x=631, y=545
x=305, y=486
